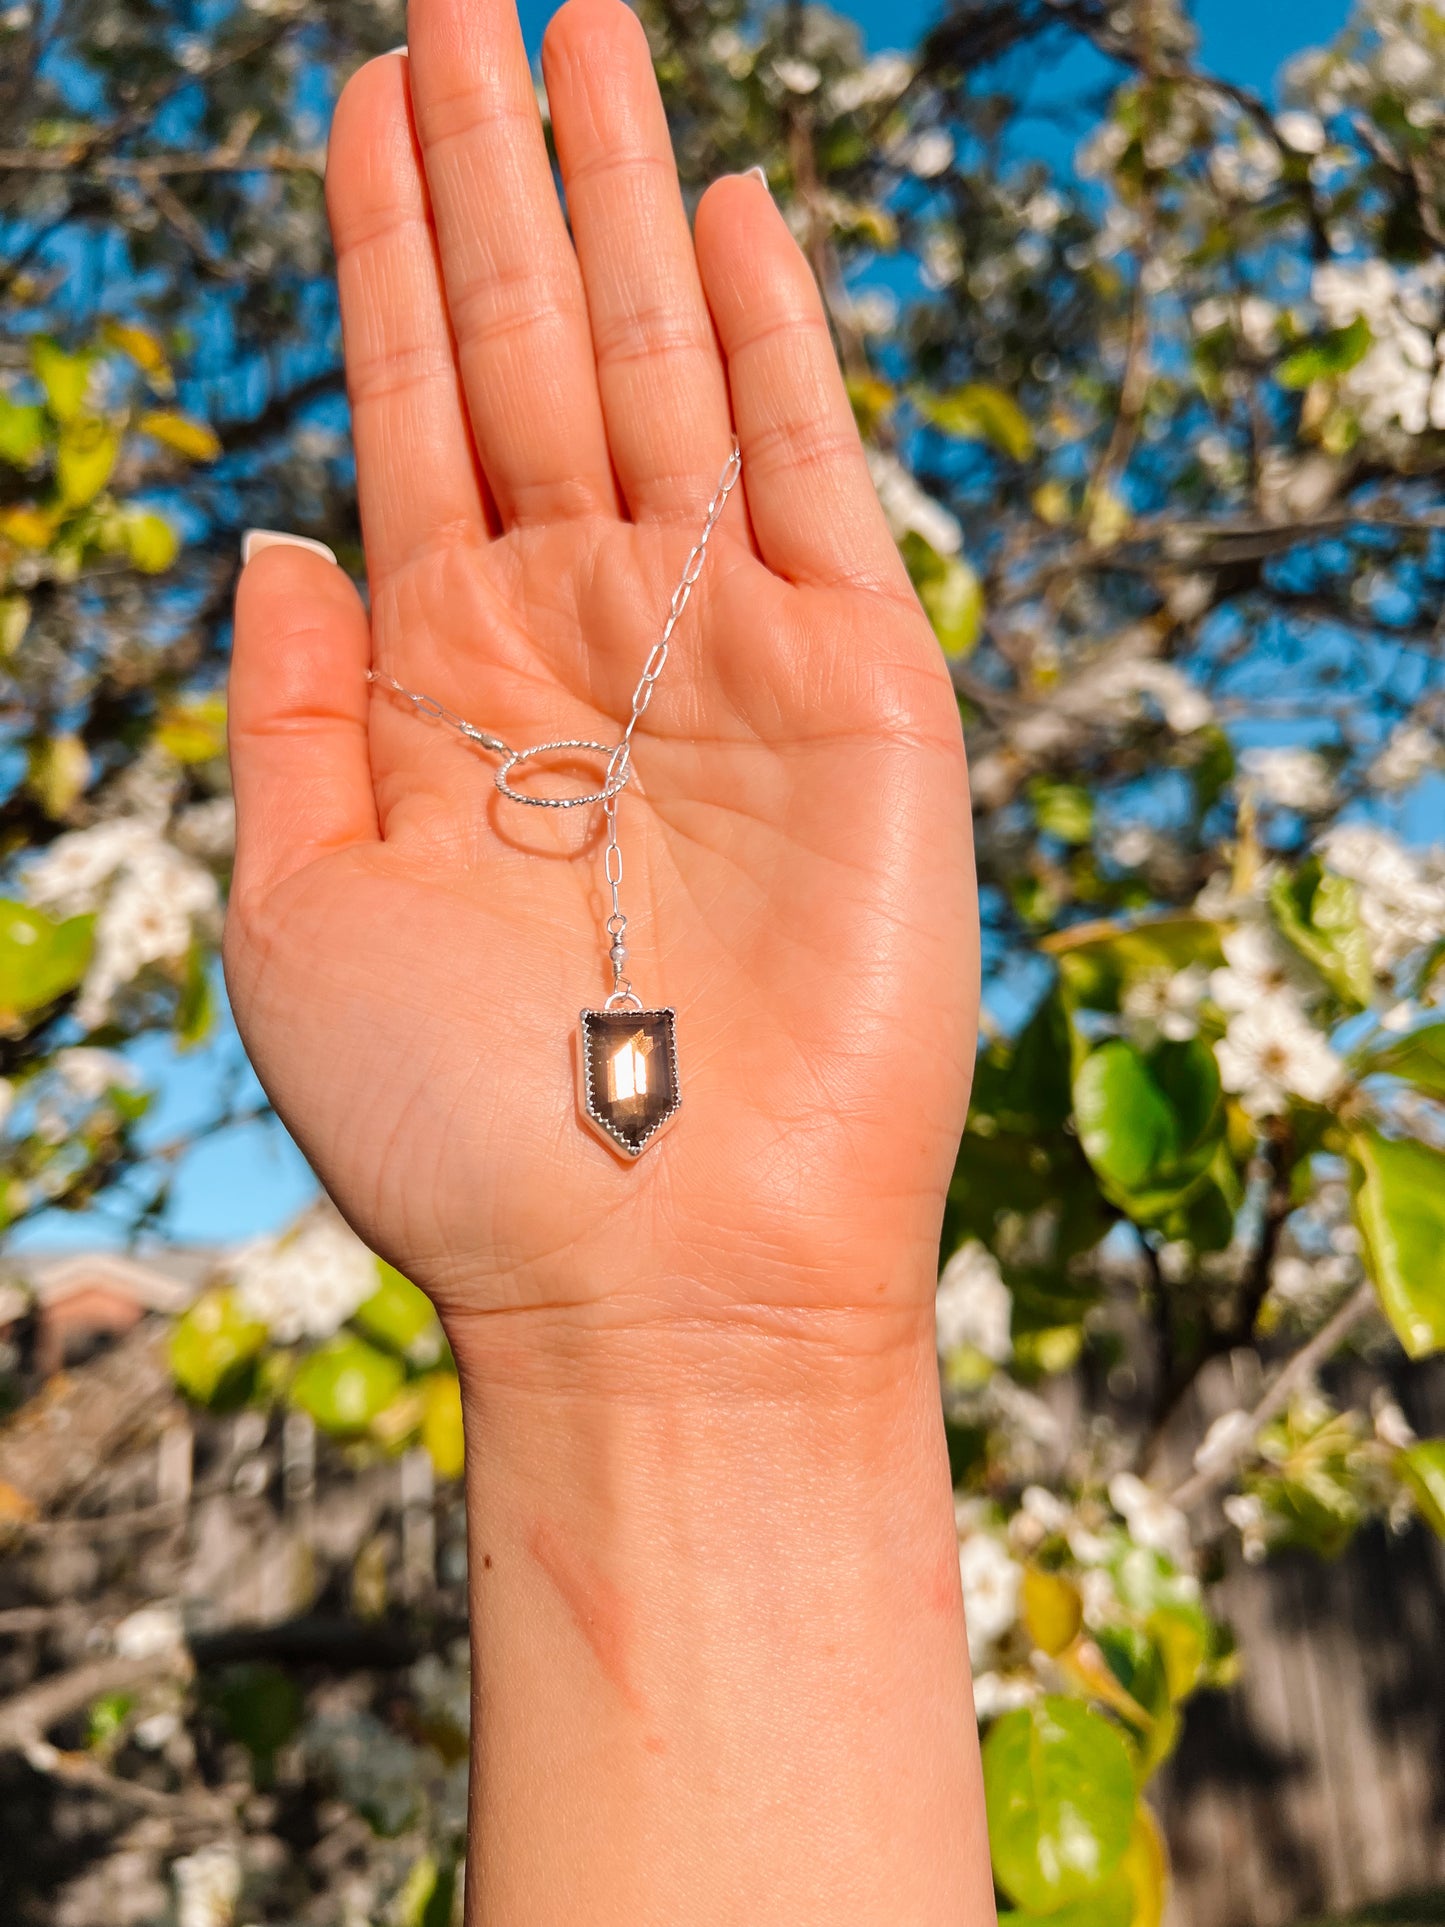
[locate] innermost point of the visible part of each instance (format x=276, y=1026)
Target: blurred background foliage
x=1160, y=427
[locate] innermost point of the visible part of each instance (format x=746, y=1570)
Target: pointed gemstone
x=628, y=1074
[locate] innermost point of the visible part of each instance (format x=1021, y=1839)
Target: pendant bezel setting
x=591, y=1101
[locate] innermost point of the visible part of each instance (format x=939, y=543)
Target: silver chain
x=619, y=755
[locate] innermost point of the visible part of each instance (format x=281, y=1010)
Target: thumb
x=298, y=709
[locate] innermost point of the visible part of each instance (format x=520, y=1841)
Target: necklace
x=627, y=1079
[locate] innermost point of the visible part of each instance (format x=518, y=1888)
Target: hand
x=539, y=424
x=719, y=1658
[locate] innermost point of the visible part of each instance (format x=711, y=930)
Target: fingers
x=658, y=367
x=297, y=715
x=417, y=476
x=813, y=506
x=513, y=286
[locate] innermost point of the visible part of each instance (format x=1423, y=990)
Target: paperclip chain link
x=619, y=757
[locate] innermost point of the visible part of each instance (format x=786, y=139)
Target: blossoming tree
x=1160, y=427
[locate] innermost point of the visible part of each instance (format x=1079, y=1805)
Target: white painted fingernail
x=393, y=50
x=760, y=175
x=254, y=540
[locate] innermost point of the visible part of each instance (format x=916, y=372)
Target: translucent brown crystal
x=629, y=1074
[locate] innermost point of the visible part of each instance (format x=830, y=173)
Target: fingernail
x=759, y=173
x=393, y=50
x=254, y=540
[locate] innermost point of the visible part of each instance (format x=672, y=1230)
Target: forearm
x=719, y=1659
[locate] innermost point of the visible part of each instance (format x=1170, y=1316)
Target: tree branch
x=1295, y=1373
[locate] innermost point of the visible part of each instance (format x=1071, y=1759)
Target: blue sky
x=252, y=1179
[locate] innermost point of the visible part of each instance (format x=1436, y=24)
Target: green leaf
x=951, y=594
x=1333, y=354
x=1146, y=1868
x=150, y=541
x=197, y=441
x=194, y=731
x=1111, y=1905
x=953, y=601
x=1125, y=1124
x=1399, y=1196
x=212, y=1346
x=262, y=1707
x=22, y=432
x=1319, y=913
x=107, y=1718
x=196, y=1008
x=1422, y=1466
x=84, y=459
x=1059, y=1788
x=142, y=347
x=1419, y=1059
x=39, y=959
x=400, y=1317
x=14, y=622
x=441, y=1423
x=979, y=412
x=345, y=1383
x=1064, y=810
x=1096, y=960
x=1052, y=1609
x=1149, y=1126
x=59, y=772
x=63, y=377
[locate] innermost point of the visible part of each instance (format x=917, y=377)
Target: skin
x=719, y=1659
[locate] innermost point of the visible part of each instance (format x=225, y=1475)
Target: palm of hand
x=408, y=950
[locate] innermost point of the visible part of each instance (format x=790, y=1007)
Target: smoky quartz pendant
x=627, y=1076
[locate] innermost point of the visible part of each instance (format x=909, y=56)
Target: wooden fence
x=1317, y=1785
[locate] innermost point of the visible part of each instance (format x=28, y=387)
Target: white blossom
x=1401, y=894
x=1043, y=211
x=991, y=1582
x=1258, y=964
x=1295, y=779
x=208, y=1885
x=1098, y=1597
x=1246, y=1514
x=1305, y=133
x=1045, y=1508
x=974, y=1306
x=1392, y=1428
x=1184, y=707
x=909, y=510
x=872, y=311
x=1152, y=1521
x=1395, y=382
x=883, y=78
x=929, y=154
x=68, y=878
x=1223, y=1442
x=149, y=1632
x=146, y=894
x=996, y=1693
x=1271, y=1052
x=942, y=261
x=207, y=830
x=798, y=76
x=1258, y=323
x=1164, y=1003
x=306, y=1283
x=1247, y=168
x=89, y=1074
x=1409, y=753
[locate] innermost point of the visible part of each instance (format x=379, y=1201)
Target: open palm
x=540, y=419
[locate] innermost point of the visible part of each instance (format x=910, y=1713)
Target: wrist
x=727, y=1564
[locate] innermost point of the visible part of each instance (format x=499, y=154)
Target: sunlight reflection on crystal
x=627, y=1068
